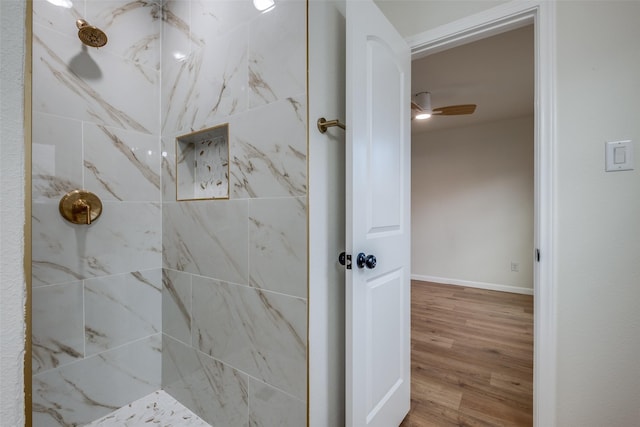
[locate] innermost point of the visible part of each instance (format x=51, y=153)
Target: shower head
x=90, y=35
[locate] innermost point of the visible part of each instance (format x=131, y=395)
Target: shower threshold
x=155, y=409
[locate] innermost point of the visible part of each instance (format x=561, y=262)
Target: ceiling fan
x=421, y=107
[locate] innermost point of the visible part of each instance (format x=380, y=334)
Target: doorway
x=473, y=226
x=494, y=21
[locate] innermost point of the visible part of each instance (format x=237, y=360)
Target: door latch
x=345, y=260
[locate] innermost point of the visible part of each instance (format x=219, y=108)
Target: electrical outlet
x=515, y=267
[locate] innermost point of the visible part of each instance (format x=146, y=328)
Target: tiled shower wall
x=235, y=271
x=223, y=326
x=97, y=289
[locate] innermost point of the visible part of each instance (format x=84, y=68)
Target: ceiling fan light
x=422, y=116
x=423, y=99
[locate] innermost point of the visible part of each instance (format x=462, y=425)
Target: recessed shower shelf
x=202, y=164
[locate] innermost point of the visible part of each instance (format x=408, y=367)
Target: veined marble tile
x=121, y=165
x=58, y=18
x=208, y=238
x=221, y=78
x=180, y=67
x=278, y=245
x=214, y=18
x=132, y=26
x=269, y=150
x=57, y=336
x=277, y=53
x=176, y=30
x=214, y=391
x=88, y=389
x=157, y=408
x=176, y=305
x=261, y=333
x=90, y=84
x=269, y=407
x=57, y=156
x=168, y=165
x=209, y=79
x=122, y=308
x=126, y=237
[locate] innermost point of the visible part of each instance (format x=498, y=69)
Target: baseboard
x=471, y=284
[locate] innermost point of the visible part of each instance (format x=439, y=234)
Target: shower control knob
x=368, y=261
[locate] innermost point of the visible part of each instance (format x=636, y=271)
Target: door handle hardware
x=368, y=261
x=324, y=124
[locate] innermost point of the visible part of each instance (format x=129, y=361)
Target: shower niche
x=202, y=164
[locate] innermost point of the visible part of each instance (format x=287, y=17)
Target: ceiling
x=495, y=73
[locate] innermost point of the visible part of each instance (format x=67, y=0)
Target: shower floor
x=155, y=409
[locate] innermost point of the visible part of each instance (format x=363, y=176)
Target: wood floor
x=471, y=357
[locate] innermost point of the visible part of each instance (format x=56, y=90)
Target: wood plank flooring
x=471, y=357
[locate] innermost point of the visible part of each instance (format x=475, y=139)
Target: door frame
x=494, y=21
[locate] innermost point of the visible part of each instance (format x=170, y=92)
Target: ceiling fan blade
x=415, y=106
x=455, y=110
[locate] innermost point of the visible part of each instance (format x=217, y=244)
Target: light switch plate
x=619, y=156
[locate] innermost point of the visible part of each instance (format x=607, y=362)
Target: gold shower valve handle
x=80, y=207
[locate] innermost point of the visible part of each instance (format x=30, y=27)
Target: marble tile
x=221, y=80
x=58, y=18
x=270, y=160
x=57, y=157
x=278, y=245
x=168, y=165
x=86, y=390
x=157, y=408
x=122, y=308
x=261, y=333
x=208, y=238
x=121, y=165
x=176, y=29
x=179, y=66
x=277, y=53
x=215, y=18
x=126, y=237
x=213, y=390
x=133, y=28
x=269, y=407
x=176, y=305
x=57, y=326
x=91, y=84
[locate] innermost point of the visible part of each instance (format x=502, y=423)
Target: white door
x=378, y=152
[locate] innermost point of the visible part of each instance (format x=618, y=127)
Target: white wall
x=12, y=282
x=326, y=215
x=472, y=204
x=598, y=215
x=411, y=17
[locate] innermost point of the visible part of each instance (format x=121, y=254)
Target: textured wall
x=235, y=279
x=472, y=203
x=412, y=17
x=97, y=288
x=598, y=219
x=12, y=283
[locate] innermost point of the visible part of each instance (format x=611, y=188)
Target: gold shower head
x=90, y=35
